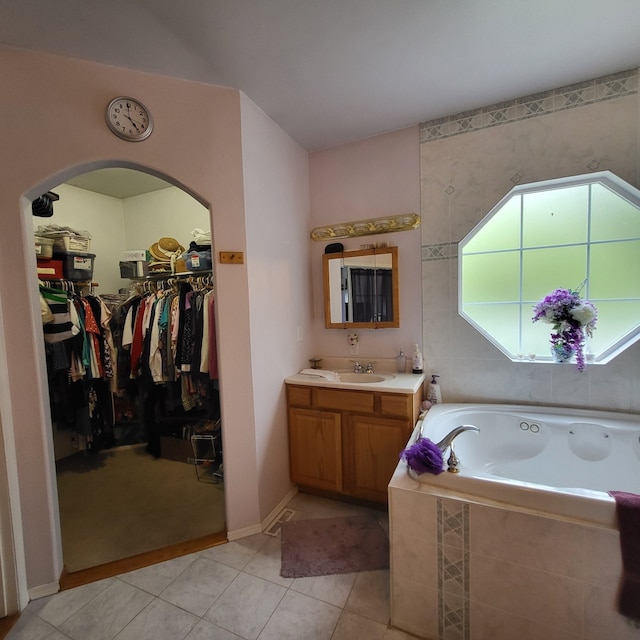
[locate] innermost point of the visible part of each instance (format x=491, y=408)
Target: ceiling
x=332, y=71
x=119, y=182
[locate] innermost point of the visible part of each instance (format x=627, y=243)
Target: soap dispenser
x=434, y=395
x=417, y=361
x=401, y=362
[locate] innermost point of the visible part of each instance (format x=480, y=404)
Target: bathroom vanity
x=345, y=437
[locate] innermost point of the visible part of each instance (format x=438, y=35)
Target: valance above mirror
x=372, y=226
x=361, y=289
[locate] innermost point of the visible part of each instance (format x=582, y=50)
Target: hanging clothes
x=79, y=350
x=165, y=343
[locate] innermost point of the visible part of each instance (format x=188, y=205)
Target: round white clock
x=129, y=119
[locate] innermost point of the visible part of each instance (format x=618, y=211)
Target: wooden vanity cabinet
x=315, y=448
x=348, y=441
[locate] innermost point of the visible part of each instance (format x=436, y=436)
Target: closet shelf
x=166, y=276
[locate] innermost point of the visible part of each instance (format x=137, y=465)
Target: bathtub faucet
x=447, y=441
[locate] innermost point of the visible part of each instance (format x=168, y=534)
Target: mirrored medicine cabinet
x=579, y=231
x=361, y=289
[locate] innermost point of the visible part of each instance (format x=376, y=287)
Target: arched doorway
x=86, y=515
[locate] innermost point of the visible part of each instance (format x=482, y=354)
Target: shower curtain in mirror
x=371, y=291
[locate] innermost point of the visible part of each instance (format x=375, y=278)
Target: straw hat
x=165, y=248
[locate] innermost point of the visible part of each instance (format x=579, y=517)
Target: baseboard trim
x=244, y=532
x=252, y=530
x=44, y=590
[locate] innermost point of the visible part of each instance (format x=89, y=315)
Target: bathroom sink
x=365, y=378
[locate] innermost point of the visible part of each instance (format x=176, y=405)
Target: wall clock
x=129, y=119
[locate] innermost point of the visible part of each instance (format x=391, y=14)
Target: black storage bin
x=76, y=265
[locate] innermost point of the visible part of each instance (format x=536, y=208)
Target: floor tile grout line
x=306, y=511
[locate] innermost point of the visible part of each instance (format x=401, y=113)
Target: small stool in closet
x=205, y=460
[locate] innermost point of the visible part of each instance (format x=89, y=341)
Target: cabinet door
x=373, y=448
x=315, y=446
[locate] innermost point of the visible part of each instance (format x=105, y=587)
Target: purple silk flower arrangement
x=572, y=319
x=424, y=456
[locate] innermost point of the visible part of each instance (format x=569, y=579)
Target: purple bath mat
x=333, y=545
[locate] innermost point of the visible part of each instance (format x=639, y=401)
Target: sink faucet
x=369, y=367
x=357, y=367
x=447, y=442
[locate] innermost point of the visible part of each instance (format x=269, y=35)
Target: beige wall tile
x=413, y=514
x=414, y=610
x=481, y=167
x=602, y=620
x=488, y=623
x=528, y=593
x=542, y=543
x=602, y=558
x=415, y=560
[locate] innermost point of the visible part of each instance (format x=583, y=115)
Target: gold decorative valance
x=388, y=224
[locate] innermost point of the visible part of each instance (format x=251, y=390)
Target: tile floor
x=230, y=592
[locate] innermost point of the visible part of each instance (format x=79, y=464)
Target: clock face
x=129, y=119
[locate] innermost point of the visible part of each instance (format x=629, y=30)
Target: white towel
x=322, y=373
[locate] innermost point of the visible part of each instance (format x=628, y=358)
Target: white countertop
x=399, y=383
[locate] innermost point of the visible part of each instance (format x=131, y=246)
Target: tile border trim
x=440, y=251
x=454, y=615
x=608, y=87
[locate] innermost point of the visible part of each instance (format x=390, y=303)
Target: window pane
x=615, y=270
x=535, y=335
x=615, y=319
x=502, y=231
x=612, y=218
x=558, y=216
x=491, y=277
x=544, y=270
x=497, y=320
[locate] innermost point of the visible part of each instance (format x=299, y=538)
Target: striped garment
x=60, y=328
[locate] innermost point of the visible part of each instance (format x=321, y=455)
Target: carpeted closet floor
x=122, y=502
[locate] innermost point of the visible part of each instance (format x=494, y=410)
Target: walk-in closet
x=130, y=346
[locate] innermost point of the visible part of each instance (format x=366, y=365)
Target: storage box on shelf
x=44, y=246
x=133, y=269
x=76, y=266
x=67, y=243
x=198, y=260
x=49, y=269
x=65, y=238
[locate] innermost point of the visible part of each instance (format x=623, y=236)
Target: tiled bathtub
x=472, y=568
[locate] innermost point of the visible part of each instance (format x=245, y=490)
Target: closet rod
x=68, y=285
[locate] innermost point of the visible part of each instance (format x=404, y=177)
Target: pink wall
x=370, y=178
x=276, y=177
x=257, y=182
x=53, y=128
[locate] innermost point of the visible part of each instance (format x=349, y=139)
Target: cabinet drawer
x=396, y=405
x=299, y=396
x=344, y=400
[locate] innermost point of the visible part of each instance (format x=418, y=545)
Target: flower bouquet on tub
x=572, y=318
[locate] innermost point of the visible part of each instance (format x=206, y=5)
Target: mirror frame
x=393, y=324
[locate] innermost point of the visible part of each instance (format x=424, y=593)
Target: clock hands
x=132, y=121
x=130, y=118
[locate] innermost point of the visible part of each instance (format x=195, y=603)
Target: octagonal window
x=578, y=233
